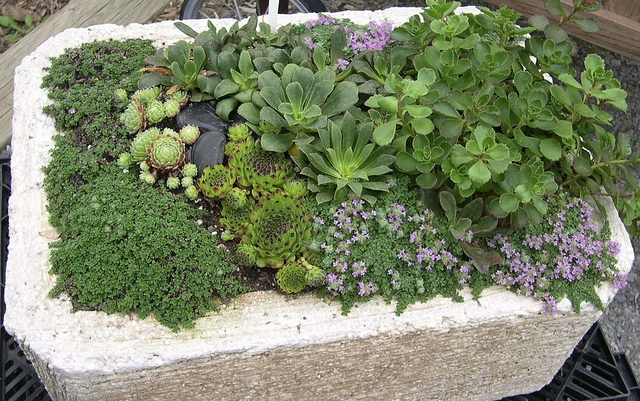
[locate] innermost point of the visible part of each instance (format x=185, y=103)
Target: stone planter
x=263, y=346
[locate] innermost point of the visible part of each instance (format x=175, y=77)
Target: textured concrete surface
x=263, y=345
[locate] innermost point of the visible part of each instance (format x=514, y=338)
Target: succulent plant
x=245, y=255
x=141, y=143
x=315, y=276
x=171, y=108
x=277, y=230
x=189, y=134
x=147, y=177
x=344, y=159
x=166, y=152
x=295, y=188
x=190, y=170
x=259, y=169
x=173, y=182
x=121, y=95
x=146, y=95
x=180, y=96
x=239, y=132
x=125, y=160
x=236, y=220
x=133, y=118
x=187, y=182
x=236, y=198
x=292, y=278
x=191, y=192
x=216, y=181
x=154, y=111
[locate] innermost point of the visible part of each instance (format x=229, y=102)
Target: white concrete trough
x=263, y=346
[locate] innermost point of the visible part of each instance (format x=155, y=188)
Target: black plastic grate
x=592, y=373
x=19, y=381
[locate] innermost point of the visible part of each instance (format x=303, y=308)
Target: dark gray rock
x=202, y=115
x=208, y=150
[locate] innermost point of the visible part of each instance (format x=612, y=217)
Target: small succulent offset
x=216, y=181
x=292, y=277
x=150, y=106
x=278, y=229
x=343, y=160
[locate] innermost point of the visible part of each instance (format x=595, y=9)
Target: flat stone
x=208, y=150
x=202, y=115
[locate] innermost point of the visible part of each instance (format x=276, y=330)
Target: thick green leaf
x=588, y=25
x=551, y=149
x=509, y=202
x=460, y=228
x=225, y=107
x=344, y=96
x=448, y=204
x=555, y=7
x=422, y=126
x=406, y=162
x=384, y=134
x=564, y=129
x=539, y=22
x=555, y=33
x=479, y=172
x=250, y=112
x=277, y=142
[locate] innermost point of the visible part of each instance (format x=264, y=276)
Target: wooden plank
x=617, y=33
x=76, y=14
x=626, y=8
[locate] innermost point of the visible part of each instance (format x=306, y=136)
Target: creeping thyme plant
x=357, y=160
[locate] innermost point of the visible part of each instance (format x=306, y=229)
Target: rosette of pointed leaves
x=296, y=188
x=216, y=181
x=141, y=143
x=278, y=229
x=134, y=118
x=298, y=101
x=236, y=198
x=265, y=171
x=236, y=219
x=292, y=278
x=166, y=152
x=245, y=255
x=343, y=160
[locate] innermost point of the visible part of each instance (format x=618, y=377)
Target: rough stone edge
x=49, y=329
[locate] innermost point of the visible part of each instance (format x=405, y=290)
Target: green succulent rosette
x=292, y=278
x=134, y=117
x=236, y=219
x=142, y=142
x=278, y=229
x=264, y=172
x=216, y=181
x=166, y=152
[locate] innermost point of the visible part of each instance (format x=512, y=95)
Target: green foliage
x=147, y=254
x=299, y=101
x=574, y=15
x=216, y=181
x=166, y=152
x=278, y=229
x=150, y=260
x=16, y=29
x=474, y=114
x=343, y=160
x=292, y=277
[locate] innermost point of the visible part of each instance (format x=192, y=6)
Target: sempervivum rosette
x=166, y=152
x=278, y=229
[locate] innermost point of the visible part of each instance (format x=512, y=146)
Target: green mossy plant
x=148, y=256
